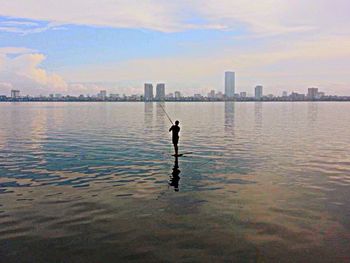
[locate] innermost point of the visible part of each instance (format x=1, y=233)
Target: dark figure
x=175, y=178
x=175, y=129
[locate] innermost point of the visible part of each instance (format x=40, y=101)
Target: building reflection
x=258, y=115
x=229, y=116
x=160, y=115
x=148, y=115
x=312, y=112
x=175, y=178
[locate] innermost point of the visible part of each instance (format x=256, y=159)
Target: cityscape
x=174, y=131
x=229, y=94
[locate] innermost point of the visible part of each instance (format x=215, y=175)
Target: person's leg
x=176, y=149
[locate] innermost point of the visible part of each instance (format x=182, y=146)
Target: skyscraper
x=312, y=93
x=160, y=95
x=14, y=94
x=258, y=92
x=229, y=84
x=177, y=94
x=102, y=95
x=148, y=92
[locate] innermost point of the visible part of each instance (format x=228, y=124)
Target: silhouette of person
x=175, y=129
x=175, y=178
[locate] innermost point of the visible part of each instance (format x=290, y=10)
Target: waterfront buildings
x=211, y=94
x=243, y=94
x=177, y=94
x=294, y=96
x=15, y=94
x=219, y=95
x=229, y=84
x=148, y=94
x=160, y=91
x=258, y=92
x=102, y=95
x=312, y=93
x=114, y=96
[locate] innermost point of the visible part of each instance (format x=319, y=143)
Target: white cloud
x=23, y=71
x=315, y=34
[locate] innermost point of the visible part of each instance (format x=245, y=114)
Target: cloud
x=280, y=42
x=24, y=27
x=263, y=16
x=22, y=70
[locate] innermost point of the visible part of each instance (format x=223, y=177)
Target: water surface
x=93, y=182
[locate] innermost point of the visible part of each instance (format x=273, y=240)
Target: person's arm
x=171, y=128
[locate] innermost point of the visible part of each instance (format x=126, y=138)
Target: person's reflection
x=175, y=178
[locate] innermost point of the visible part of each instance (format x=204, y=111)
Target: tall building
x=312, y=93
x=229, y=84
x=177, y=94
x=285, y=94
x=102, y=95
x=160, y=95
x=258, y=92
x=15, y=94
x=148, y=96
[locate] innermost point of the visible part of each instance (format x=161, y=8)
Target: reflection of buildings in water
x=229, y=115
x=312, y=112
x=148, y=115
x=258, y=106
x=175, y=178
x=160, y=115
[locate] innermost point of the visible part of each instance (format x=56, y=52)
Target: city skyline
x=119, y=45
x=227, y=91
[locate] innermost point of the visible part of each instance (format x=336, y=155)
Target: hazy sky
x=82, y=46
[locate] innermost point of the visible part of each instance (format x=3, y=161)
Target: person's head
x=177, y=123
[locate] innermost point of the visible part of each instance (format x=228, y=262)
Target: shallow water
x=93, y=182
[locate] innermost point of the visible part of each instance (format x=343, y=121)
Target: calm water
x=92, y=182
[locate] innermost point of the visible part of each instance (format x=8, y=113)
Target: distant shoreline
x=203, y=101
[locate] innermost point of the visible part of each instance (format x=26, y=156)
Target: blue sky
x=83, y=46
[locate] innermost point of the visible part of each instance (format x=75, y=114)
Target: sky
x=82, y=46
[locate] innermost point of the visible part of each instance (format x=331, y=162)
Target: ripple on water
x=263, y=181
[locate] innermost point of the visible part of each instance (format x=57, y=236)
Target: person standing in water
x=175, y=129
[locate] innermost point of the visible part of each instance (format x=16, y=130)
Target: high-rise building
x=258, y=92
x=160, y=95
x=177, y=94
x=148, y=96
x=229, y=84
x=312, y=93
x=211, y=94
x=15, y=94
x=284, y=94
x=102, y=95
